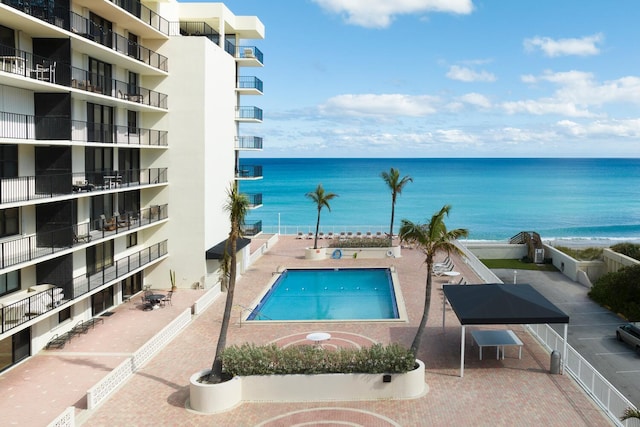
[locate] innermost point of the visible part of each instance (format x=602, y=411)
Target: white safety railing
x=601, y=391
x=66, y=419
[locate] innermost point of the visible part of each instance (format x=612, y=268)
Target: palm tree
x=431, y=238
x=630, y=413
x=236, y=206
x=395, y=184
x=321, y=199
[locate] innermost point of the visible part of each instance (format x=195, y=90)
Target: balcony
x=194, y=29
x=30, y=248
x=14, y=313
x=249, y=172
x=144, y=14
x=249, y=85
x=255, y=200
x=38, y=68
x=252, y=228
x=71, y=21
x=21, y=126
x=249, y=114
x=248, y=143
x=249, y=56
x=43, y=187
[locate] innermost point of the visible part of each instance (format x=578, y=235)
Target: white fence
x=601, y=391
x=121, y=373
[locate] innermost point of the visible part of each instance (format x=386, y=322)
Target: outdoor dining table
x=154, y=300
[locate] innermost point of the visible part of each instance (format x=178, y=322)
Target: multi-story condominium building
x=120, y=134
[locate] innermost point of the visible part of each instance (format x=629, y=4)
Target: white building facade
x=120, y=134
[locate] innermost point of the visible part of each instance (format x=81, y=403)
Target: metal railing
x=26, y=188
x=249, y=82
x=45, y=243
x=25, y=64
x=249, y=171
x=71, y=21
x=597, y=387
x=249, y=143
x=144, y=14
x=22, y=126
x=248, y=113
x=254, y=199
x=194, y=29
x=249, y=52
x=26, y=309
x=252, y=228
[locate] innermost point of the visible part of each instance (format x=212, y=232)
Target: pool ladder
x=251, y=311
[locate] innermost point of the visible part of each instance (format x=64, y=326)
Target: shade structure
x=217, y=251
x=500, y=304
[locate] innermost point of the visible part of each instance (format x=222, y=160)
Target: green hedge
x=629, y=249
x=250, y=359
x=620, y=291
x=361, y=242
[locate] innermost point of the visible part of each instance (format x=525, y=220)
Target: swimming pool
x=329, y=295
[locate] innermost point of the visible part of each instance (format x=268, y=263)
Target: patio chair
x=343, y=235
x=330, y=235
x=300, y=235
x=321, y=235
x=166, y=299
x=310, y=235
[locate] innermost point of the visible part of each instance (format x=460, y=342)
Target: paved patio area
x=493, y=392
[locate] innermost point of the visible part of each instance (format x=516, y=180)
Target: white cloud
x=388, y=105
x=546, y=106
x=380, y=13
x=629, y=128
x=585, y=46
x=465, y=74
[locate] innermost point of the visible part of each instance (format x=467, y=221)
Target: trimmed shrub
x=250, y=359
x=365, y=242
x=620, y=291
x=585, y=254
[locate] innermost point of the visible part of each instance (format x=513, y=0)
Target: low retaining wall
x=349, y=253
x=212, y=398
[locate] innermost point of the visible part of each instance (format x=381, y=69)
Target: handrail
x=249, y=142
x=26, y=309
x=23, y=126
x=144, y=14
x=44, y=186
x=41, y=244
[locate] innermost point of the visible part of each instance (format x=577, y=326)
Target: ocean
x=493, y=198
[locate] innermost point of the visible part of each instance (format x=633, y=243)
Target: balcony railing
x=249, y=143
x=22, y=126
x=252, y=228
x=18, y=312
x=249, y=52
x=45, y=243
x=90, y=30
x=71, y=21
x=36, y=67
x=194, y=29
x=145, y=14
x=249, y=171
x=248, y=113
x=250, y=82
x=254, y=199
x=43, y=186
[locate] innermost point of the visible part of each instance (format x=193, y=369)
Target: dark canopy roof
x=501, y=305
x=217, y=252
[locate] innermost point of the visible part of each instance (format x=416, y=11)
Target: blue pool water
x=329, y=294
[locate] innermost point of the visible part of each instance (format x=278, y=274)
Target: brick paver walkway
x=514, y=392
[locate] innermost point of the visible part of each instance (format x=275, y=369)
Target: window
x=132, y=122
x=64, y=314
x=8, y=161
x=132, y=239
x=99, y=257
x=101, y=29
x=9, y=222
x=100, y=123
x=9, y=282
x=99, y=76
x=133, y=46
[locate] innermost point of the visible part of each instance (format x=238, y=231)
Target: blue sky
x=447, y=78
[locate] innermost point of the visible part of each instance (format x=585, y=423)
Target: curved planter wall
x=211, y=398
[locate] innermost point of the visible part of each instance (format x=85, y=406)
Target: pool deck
x=492, y=393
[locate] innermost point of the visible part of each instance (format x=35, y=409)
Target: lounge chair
x=330, y=235
x=349, y=234
x=310, y=235
x=359, y=234
x=368, y=235
x=300, y=235
x=343, y=235
x=321, y=235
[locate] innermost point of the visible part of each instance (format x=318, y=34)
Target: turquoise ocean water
x=494, y=198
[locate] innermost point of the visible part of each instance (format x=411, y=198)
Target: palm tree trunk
x=315, y=242
x=216, y=368
x=393, y=214
x=425, y=313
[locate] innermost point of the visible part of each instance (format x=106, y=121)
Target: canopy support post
x=564, y=350
x=462, y=352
